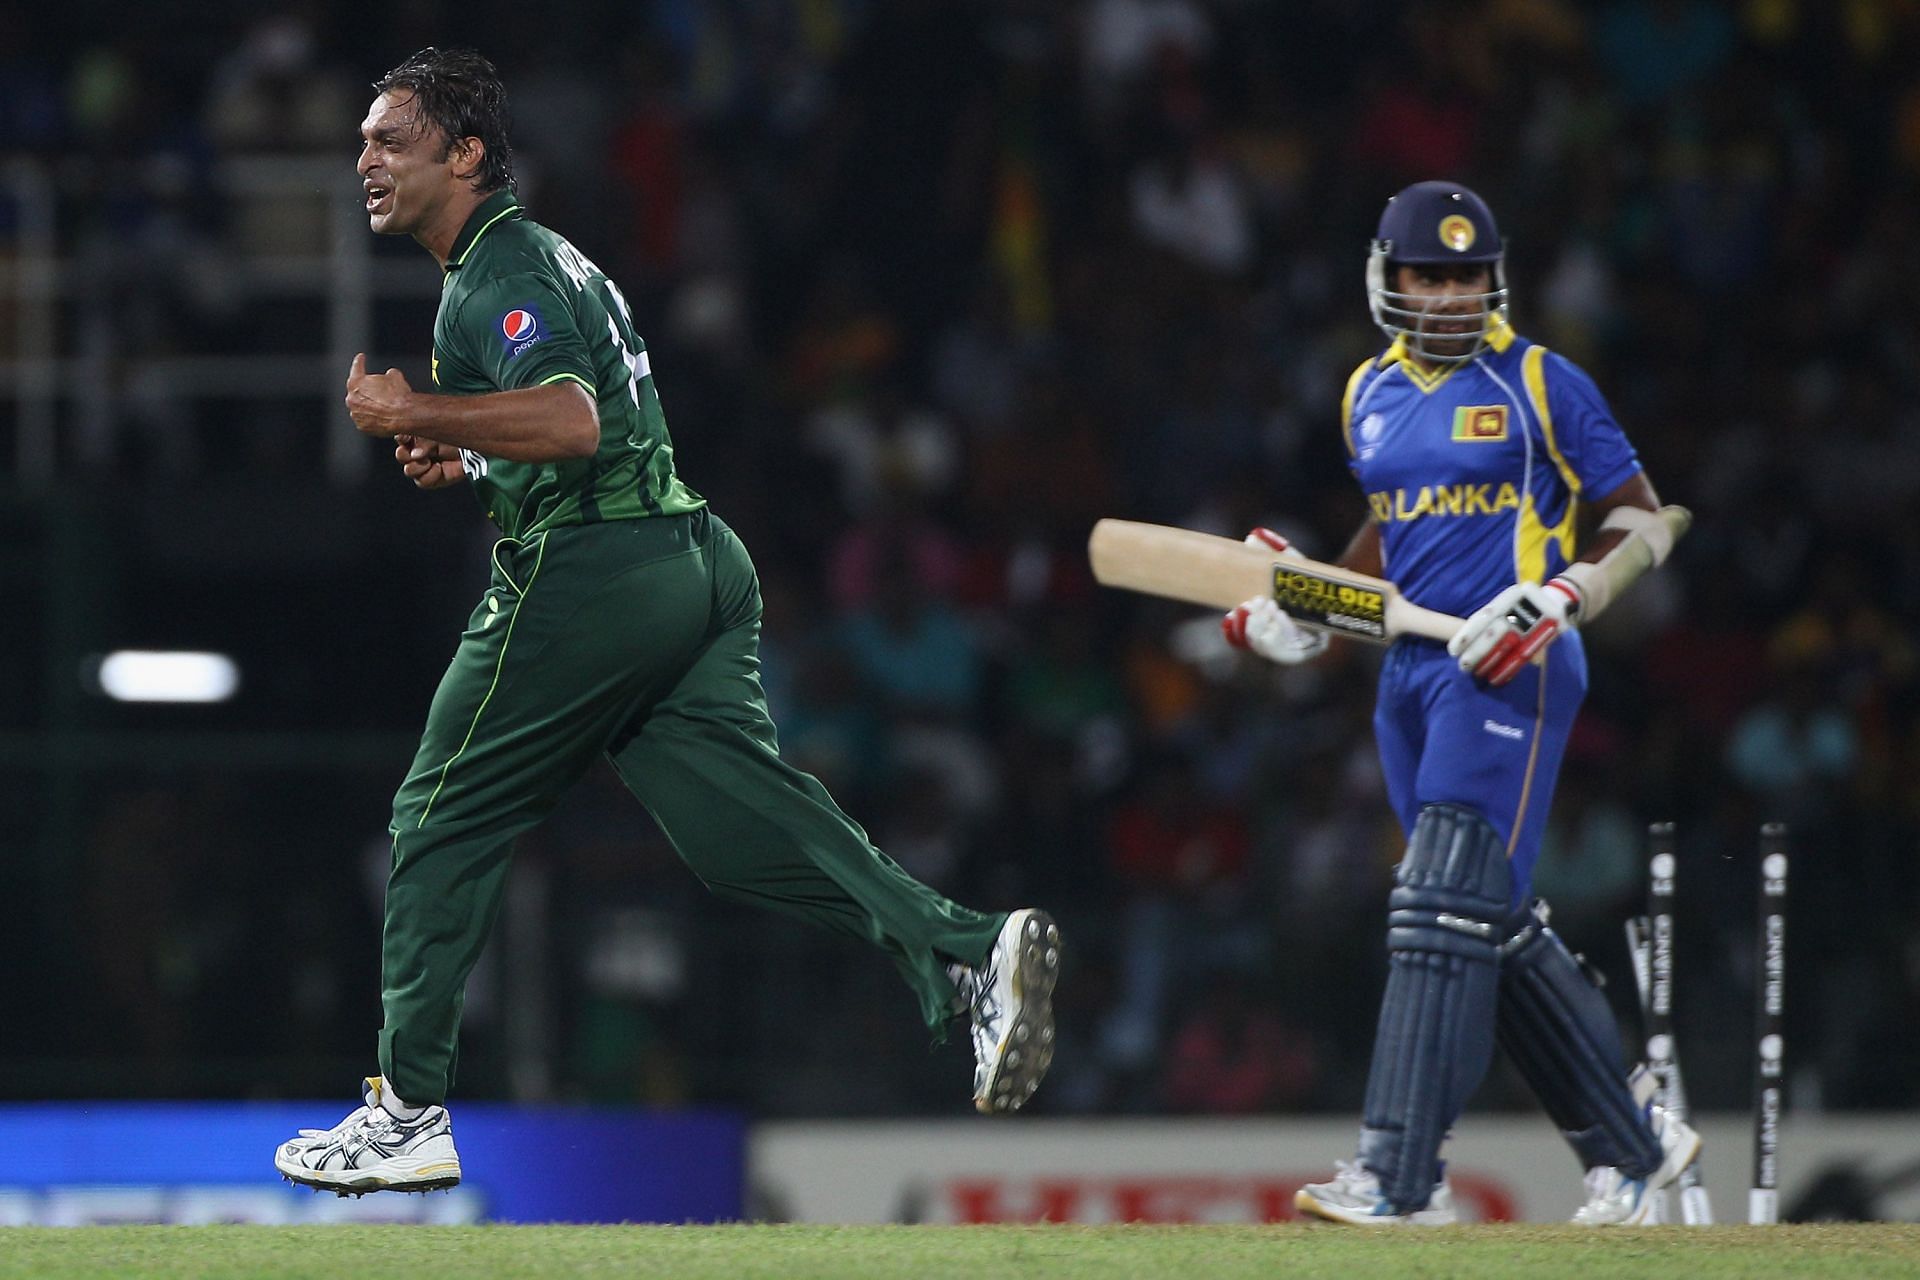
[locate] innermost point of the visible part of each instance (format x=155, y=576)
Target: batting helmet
x=1431, y=223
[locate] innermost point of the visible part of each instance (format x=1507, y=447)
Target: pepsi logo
x=517, y=324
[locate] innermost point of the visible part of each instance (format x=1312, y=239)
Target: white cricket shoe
x=1354, y=1197
x=1616, y=1200
x=1011, y=997
x=374, y=1150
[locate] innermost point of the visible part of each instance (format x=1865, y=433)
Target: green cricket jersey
x=521, y=307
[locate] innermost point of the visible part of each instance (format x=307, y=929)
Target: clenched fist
x=380, y=404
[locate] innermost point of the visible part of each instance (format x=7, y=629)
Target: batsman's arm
x=1635, y=534
x=1363, y=553
x=1637, y=493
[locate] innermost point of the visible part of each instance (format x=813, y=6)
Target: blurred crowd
x=929, y=287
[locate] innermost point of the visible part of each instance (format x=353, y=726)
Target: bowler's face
x=406, y=167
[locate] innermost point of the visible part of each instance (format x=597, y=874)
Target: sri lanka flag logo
x=520, y=328
x=1480, y=422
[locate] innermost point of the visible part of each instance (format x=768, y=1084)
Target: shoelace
x=352, y=1118
x=985, y=1008
x=1353, y=1175
x=986, y=1011
x=328, y=1133
x=377, y=1124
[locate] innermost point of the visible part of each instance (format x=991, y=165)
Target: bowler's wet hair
x=459, y=92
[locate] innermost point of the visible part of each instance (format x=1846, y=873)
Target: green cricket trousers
x=640, y=639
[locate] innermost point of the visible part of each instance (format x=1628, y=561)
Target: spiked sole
x=357, y=1190
x=1027, y=1051
x=388, y=1175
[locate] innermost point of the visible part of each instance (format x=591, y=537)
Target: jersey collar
x=1500, y=337
x=496, y=206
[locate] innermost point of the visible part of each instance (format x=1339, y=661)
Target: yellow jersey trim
x=1531, y=554
x=1427, y=380
x=1500, y=337
x=1346, y=404
x=1533, y=368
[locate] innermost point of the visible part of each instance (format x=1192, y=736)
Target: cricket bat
x=1219, y=573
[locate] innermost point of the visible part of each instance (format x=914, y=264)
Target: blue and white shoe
x=1354, y=1197
x=1616, y=1200
x=374, y=1150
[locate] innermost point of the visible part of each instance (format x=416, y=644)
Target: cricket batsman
x=1500, y=490
x=623, y=620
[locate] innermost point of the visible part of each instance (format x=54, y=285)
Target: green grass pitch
x=1294, y=1251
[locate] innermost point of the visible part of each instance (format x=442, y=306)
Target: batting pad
x=1560, y=1032
x=1445, y=922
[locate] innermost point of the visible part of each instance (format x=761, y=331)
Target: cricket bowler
x=623, y=619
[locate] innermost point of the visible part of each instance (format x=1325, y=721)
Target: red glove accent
x=1568, y=590
x=1514, y=651
x=1234, y=626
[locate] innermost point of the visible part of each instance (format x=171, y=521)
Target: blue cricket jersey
x=1474, y=472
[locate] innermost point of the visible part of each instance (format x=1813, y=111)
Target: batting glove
x=1505, y=634
x=1263, y=627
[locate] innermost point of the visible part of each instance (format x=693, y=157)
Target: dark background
x=929, y=287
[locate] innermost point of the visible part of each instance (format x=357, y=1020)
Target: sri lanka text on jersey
x=1443, y=500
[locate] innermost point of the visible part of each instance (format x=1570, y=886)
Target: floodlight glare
x=152, y=675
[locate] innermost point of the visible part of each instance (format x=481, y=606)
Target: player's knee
x=1525, y=933
x=1451, y=890
x=1529, y=946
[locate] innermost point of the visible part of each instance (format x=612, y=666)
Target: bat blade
x=1178, y=564
x=1219, y=573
